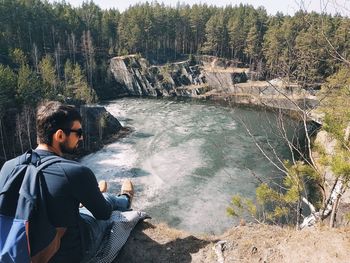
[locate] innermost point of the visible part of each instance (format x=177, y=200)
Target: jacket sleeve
x=85, y=188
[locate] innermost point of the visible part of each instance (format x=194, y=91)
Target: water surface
x=187, y=159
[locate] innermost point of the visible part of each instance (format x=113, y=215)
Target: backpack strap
x=46, y=161
x=28, y=157
x=32, y=157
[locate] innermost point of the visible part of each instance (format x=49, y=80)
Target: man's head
x=58, y=125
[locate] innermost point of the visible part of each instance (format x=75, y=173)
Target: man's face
x=72, y=140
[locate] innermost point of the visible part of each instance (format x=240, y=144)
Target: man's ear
x=59, y=136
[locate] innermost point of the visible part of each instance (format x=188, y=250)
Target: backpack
x=26, y=234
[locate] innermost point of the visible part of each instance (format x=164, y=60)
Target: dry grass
x=251, y=243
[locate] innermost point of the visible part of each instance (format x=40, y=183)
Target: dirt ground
x=251, y=243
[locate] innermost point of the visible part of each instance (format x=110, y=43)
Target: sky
x=271, y=6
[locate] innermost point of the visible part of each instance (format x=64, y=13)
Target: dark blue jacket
x=66, y=184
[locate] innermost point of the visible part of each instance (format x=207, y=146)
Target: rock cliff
x=326, y=146
x=205, y=77
x=100, y=127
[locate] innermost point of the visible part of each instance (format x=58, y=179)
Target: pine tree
x=215, y=35
x=252, y=48
x=28, y=86
x=273, y=50
x=68, y=90
x=236, y=36
x=82, y=91
x=49, y=77
x=8, y=81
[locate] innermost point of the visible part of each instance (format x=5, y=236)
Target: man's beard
x=65, y=149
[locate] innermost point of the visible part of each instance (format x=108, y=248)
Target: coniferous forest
x=56, y=51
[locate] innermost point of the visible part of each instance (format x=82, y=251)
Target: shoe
x=103, y=186
x=127, y=189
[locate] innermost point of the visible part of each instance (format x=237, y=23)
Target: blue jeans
x=93, y=229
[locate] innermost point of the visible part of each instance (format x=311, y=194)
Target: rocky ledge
x=206, y=77
x=100, y=128
x=251, y=243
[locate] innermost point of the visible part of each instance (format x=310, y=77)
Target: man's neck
x=46, y=147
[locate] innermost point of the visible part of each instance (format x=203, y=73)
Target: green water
x=187, y=158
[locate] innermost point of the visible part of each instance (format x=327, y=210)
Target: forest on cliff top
x=56, y=45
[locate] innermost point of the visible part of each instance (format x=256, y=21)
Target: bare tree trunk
x=74, y=47
x=30, y=34
x=27, y=117
x=330, y=208
x=19, y=131
x=43, y=36
x=2, y=140
x=53, y=36
x=334, y=211
x=89, y=53
x=338, y=190
x=35, y=57
x=298, y=213
x=58, y=59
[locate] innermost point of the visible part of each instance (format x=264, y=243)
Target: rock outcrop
x=206, y=77
x=100, y=127
x=252, y=243
x=334, y=186
x=139, y=78
x=99, y=123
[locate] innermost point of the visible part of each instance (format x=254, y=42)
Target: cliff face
x=100, y=127
x=329, y=144
x=205, y=77
x=141, y=79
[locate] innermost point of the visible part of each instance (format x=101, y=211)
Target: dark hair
x=52, y=116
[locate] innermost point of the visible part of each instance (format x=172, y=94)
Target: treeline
x=293, y=46
x=56, y=51
x=305, y=47
x=89, y=34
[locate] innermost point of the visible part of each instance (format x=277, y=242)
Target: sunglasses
x=79, y=132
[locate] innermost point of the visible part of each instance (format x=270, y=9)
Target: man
x=69, y=184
